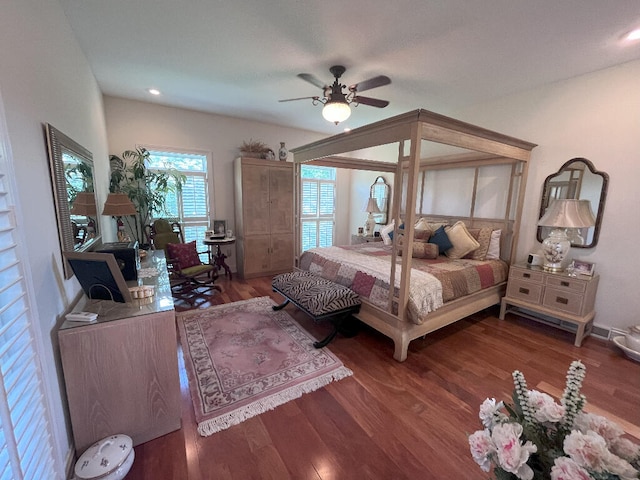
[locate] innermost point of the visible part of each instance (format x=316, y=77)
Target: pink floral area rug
x=243, y=359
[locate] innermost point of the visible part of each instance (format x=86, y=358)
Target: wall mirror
x=71, y=168
x=380, y=191
x=577, y=179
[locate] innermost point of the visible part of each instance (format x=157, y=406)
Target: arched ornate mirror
x=577, y=179
x=380, y=191
x=71, y=167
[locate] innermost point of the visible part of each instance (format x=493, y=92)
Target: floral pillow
x=483, y=237
x=384, y=233
x=185, y=254
x=423, y=249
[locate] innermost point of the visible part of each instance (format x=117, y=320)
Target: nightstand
x=356, y=239
x=554, y=298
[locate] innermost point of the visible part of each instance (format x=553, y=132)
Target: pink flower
x=620, y=467
x=544, y=407
x=482, y=448
x=490, y=412
x=589, y=450
x=602, y=426
x=566, y=469
x=512, y=455
x=625, y=449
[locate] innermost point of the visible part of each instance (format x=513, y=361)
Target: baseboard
x=607, y=333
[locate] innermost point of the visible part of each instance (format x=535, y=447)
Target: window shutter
x=26, y=446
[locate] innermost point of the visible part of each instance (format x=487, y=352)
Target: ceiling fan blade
x=374, y=82
x=299, y=98
x=312, y=80
x=373, y=102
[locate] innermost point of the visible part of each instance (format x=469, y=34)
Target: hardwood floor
x=389, y=420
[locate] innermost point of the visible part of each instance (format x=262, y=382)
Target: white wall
x=44, y=77
x=130, y=123
x=596, y=116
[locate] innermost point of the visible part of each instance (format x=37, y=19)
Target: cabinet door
x=281, y=199
x=255, y=201
x=282, y=252
x=256, y=254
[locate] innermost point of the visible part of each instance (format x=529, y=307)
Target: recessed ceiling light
x=347, y=129
x=153, y=91
x=634, y=35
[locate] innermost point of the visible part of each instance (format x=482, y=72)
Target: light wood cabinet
x=121, y=373
x=264, y=216
x=554, y=298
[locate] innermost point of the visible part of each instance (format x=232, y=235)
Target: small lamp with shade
x=370, y=224
x=561, y=215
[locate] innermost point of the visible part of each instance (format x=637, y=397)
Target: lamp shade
x=336, y=111
x=568, y=213
x=84, y=204
x=118, y=204
x=372, y=206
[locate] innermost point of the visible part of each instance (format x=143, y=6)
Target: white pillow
x=463, y=242
x=494, y=246
x=384, y=233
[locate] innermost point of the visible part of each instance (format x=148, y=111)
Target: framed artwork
x=99, y=276
x=584, y=268
x=219, y=228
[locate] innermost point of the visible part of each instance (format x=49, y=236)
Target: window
x=318, y=206
x=191, y=206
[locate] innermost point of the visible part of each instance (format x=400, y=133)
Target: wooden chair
x=190, y=278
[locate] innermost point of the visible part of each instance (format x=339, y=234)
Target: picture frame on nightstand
x=584, y=268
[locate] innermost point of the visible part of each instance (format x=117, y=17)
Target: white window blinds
x=26, y=450
x=318, y=206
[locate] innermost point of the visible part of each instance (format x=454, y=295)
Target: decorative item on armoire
x=283, y=153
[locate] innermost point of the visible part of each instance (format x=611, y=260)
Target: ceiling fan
x=336, y=103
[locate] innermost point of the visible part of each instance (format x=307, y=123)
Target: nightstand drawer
x=525, y=274
x=568, y=283
x=564, y=300
x=527, y=291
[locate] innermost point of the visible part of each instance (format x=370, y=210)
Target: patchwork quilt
x=365, y=269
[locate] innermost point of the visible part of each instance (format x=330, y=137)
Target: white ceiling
x=240, y=57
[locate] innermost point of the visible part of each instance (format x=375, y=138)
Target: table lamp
x=370, y=223
x=118, y=205
x=85, y=204
x=560, y=215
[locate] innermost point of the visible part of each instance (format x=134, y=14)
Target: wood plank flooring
x=390, y=420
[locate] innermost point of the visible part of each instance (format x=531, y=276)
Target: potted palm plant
x=147, y=189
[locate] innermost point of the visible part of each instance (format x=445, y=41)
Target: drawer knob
x=564, y=283
x=524, y=290
x=526, y=275
x=563, y=301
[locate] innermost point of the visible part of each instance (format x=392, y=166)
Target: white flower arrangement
x=539, y=439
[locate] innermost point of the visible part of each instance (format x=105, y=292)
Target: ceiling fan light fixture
x=336, y=111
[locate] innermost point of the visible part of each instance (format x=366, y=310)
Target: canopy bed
x=445, y=172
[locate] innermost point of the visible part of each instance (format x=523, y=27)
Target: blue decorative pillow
x=401, y=227
x=441, y=239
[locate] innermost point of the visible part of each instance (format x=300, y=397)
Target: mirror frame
x=57, y=143
x=382, y=199
x=603, y=197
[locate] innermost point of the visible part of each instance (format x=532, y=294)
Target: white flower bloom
x=566, y=469
x=602, y=426
x=490, y=412
x=545, y=409
x=589, y=450
x=620, y=467
x=625, y=449
x=482, y=448
x=512, y=455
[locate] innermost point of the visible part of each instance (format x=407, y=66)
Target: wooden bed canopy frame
x=481, y=148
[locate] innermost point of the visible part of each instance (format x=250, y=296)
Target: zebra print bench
x=319, y=298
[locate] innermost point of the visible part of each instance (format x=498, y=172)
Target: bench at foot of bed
x=319, y=298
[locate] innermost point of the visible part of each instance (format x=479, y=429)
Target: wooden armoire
x=264, y=208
